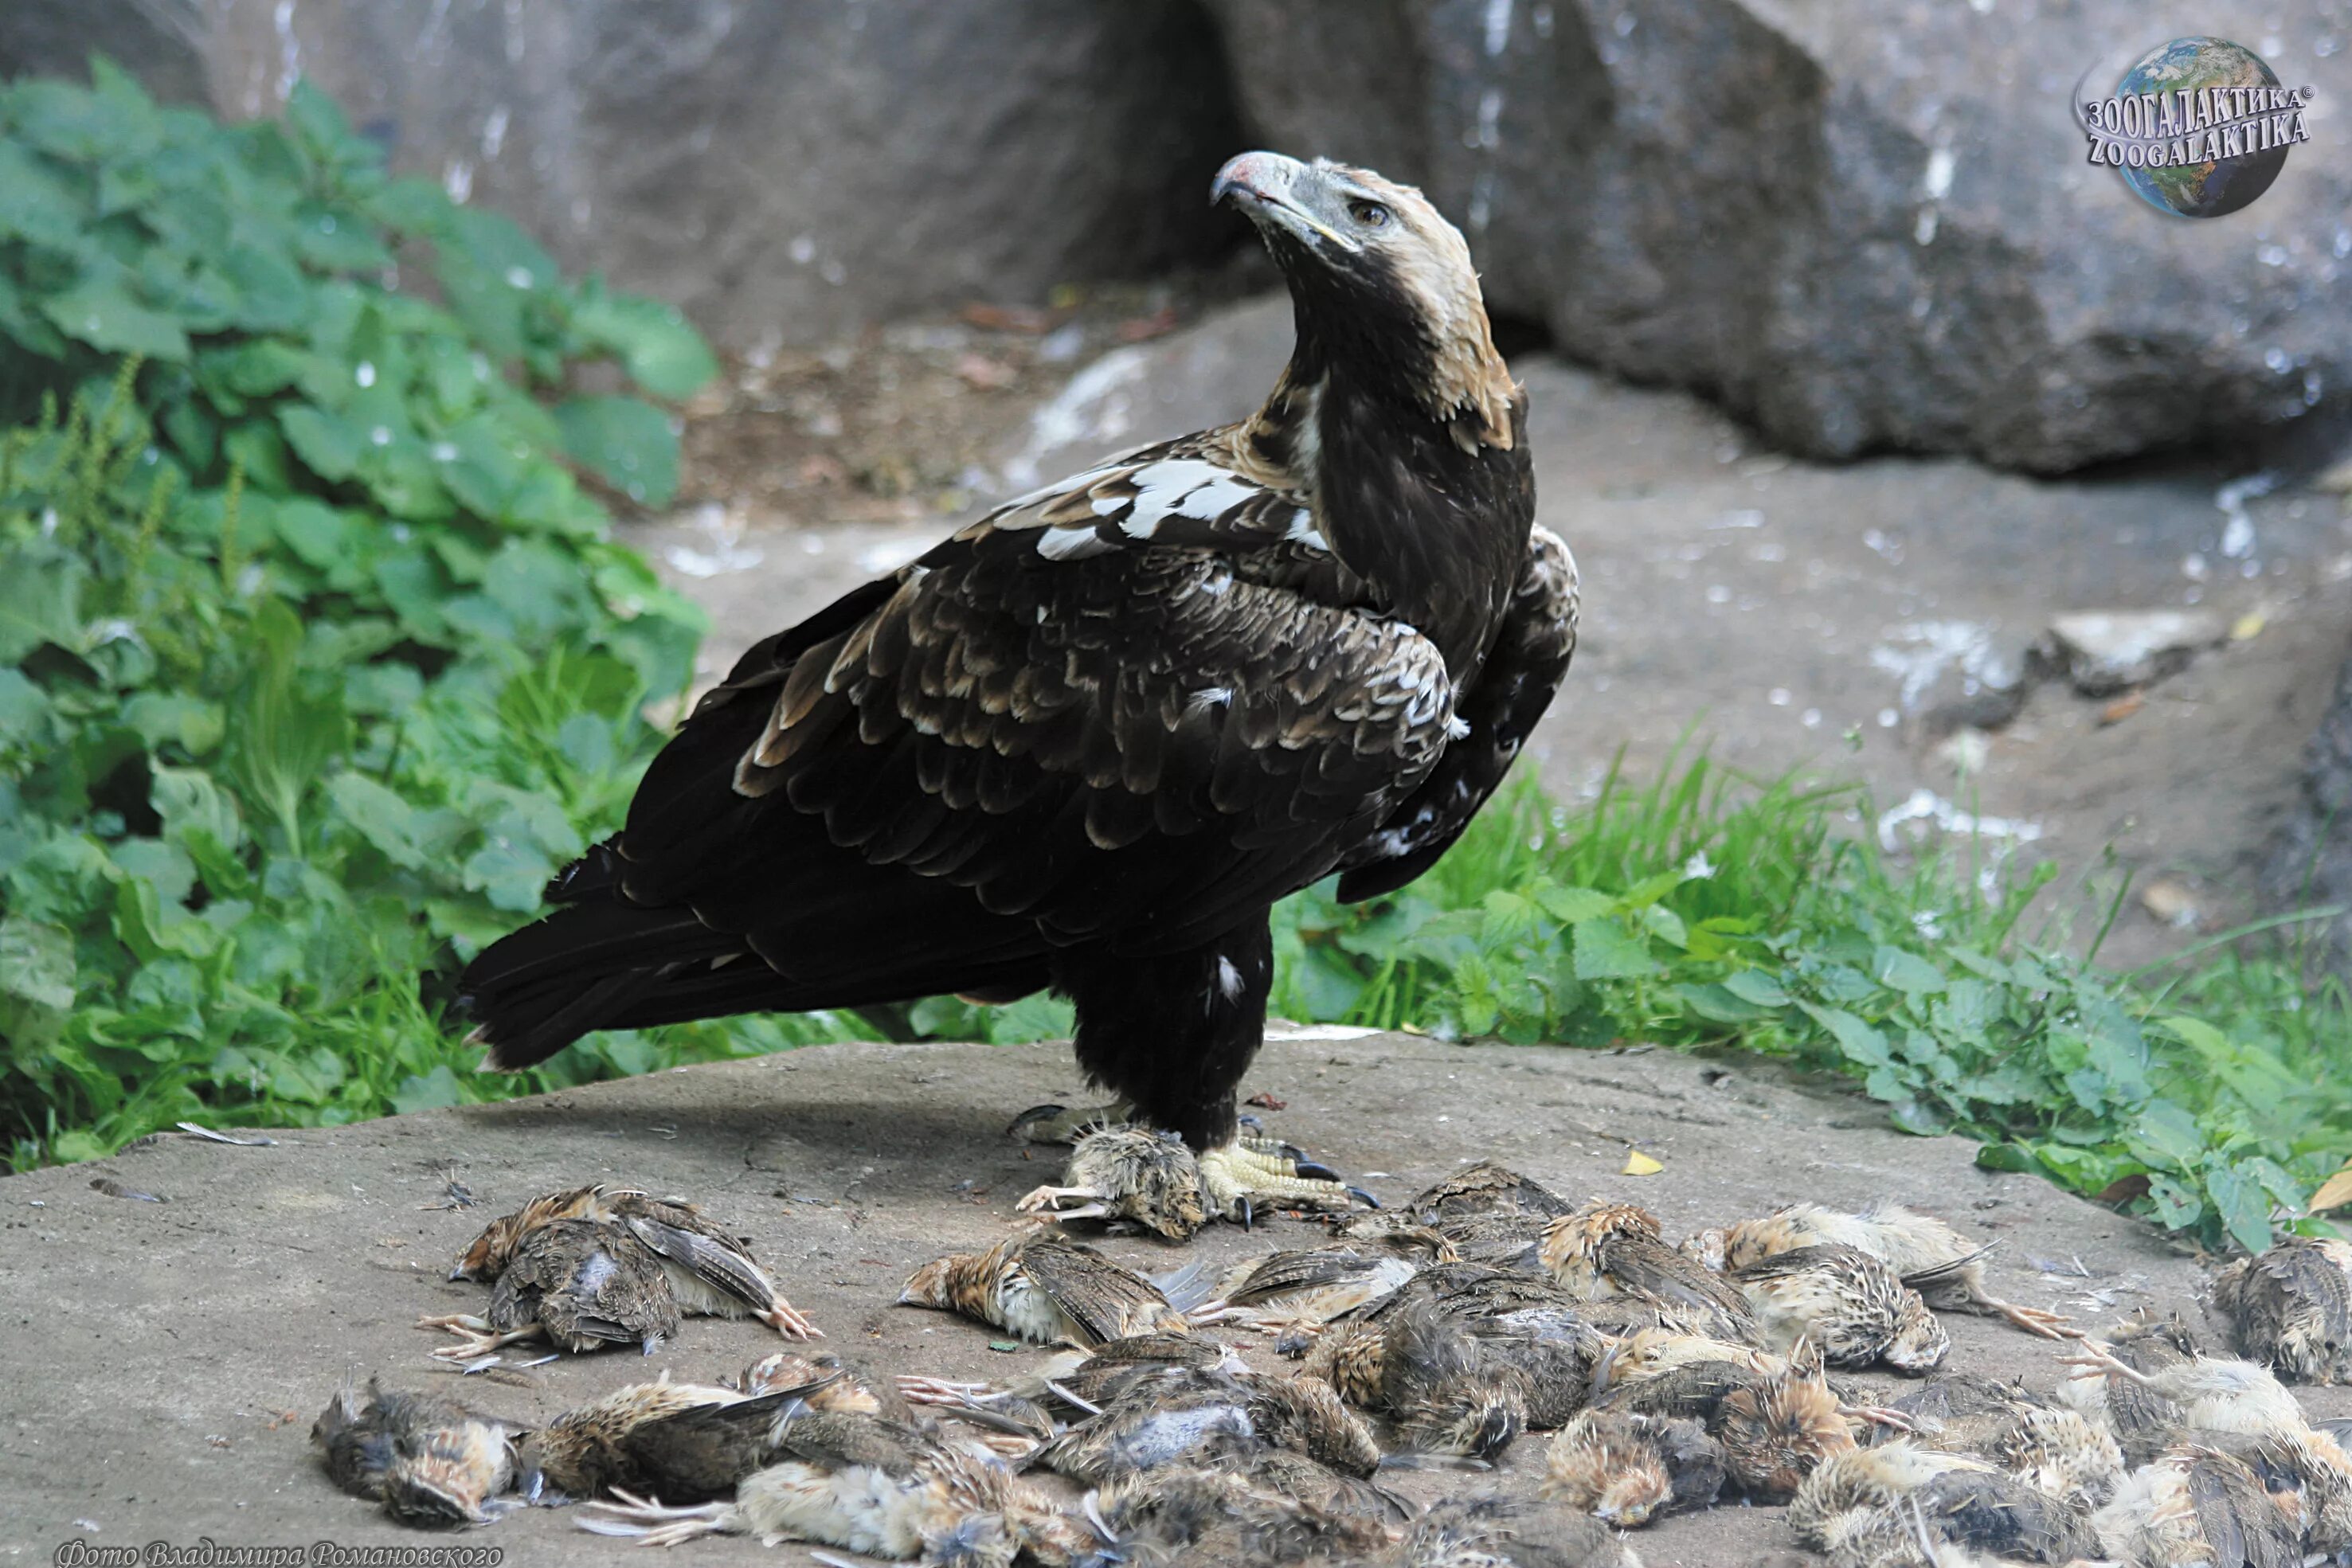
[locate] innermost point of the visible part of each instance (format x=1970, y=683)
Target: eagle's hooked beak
x=1266, y=187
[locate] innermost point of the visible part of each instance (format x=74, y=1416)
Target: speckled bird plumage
x=678, y=1442
x=427, y=1460
x=583, y=1284
x=872, y=1485
x=1846, y=1302
x=709, y=1270
x=1603, y=1250
x=2291, y=1308
x=1086, y=742
x=1625, y=1468
x=1933, y=1258
x=1046, y=1288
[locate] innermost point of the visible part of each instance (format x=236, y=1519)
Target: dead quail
x=427, y=1460
x=1304, y=1289
x=1942, y=1265
x=1625, y=1469
x=2213, y=1393
x=1129, y=1173
x=1047, y=1290
x=1605, y=1250
x=1485, y=1188
x=1181, y=1514
x=2192, y=1508
x=710, y=1272
x=581, y=1283
x=1776, y=1428
x=1430, y=1373
x=1846, y=1302
x=870, y=1485
x=1962, y=1499
x=678, y=1442
x=2144, y=1423
x=2291, y=1308
x=2049, y=1447
x=1499, y=1531
x=824, y=1381
x=1186, y=1415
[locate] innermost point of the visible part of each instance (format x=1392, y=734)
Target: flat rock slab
x=166, y=1359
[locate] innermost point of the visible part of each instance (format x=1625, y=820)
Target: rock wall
x=2312, y=865
x=1861, y=226
x=785, y=173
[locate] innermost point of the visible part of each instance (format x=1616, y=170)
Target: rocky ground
x=1870, y=622
x=167, y=1357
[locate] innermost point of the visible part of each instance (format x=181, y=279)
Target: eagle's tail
x=601, y=962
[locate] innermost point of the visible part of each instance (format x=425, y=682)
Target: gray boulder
x=1862, y=227
x=785, y=173
x=2313, y=863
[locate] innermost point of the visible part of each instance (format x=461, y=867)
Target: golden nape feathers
x=1932, y=1257
x=2291, y=1308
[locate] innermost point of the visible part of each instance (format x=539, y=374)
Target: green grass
x=1705, y=910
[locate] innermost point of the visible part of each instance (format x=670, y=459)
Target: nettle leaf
x=624, y=442
x=40, y=602
x=2243, y=1209
x=36, y=963
x=331, y=444
x=2164, y=1134
x=1756, y=989
x=1907, y=972
x=2176, y=1207
x=1859, y=1041
x=1605, y=950
x=103, y=313
x=653, y=341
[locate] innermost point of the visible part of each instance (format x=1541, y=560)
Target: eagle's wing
x=1513, y=689
x=1140, y=704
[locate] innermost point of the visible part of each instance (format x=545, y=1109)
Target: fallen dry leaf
x=2334, y=1193
x=2122, y=708
x=2248, y=627
x=1639, y=1163
x=1267, y=1102
x=1010, y=318
x=1143, y=329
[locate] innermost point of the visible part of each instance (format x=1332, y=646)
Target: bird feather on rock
x=1088, y=742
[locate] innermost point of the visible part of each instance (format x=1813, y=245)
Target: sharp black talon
x=1035, y=1113
x=1249, y=1215
x=1313, y=1170
x=1367, y=1197
x=1255, y=1124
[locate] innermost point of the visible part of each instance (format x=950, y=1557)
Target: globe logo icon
x=2199, y=127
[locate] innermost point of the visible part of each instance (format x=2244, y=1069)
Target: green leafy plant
x=315, y=660
x=1703, y=910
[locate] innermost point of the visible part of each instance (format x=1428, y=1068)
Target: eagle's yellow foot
x=1238, y=1177
x=1068, y=1124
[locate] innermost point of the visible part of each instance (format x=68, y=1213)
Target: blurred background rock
x=1855, y=229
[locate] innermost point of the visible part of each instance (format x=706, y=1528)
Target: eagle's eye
x=1371, y=215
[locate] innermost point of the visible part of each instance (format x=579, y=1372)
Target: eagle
x=1086, y=743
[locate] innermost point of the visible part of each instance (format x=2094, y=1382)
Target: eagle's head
x=1383, y=284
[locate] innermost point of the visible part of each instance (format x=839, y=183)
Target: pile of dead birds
x=1670, y=1377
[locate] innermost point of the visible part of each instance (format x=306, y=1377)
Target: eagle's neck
x=1431, y=513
